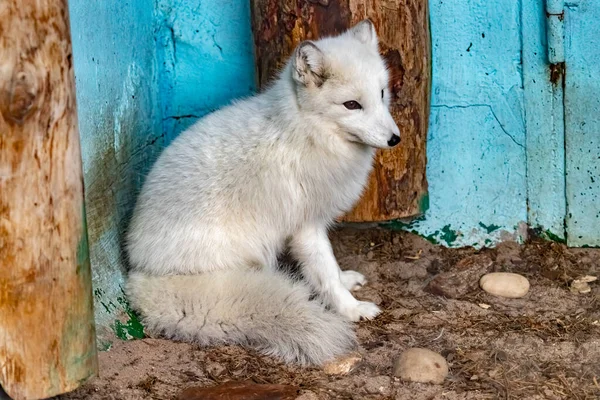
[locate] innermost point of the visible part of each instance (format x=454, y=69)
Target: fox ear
x=365, y=32
x=309, y=66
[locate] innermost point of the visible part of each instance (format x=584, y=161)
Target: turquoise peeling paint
x=203, y=57
x=545, y=127
x=119, y=122
x=476, y=164
x=206, y=58
x=582, y=122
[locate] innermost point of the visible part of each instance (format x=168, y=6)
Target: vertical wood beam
x=47, y=334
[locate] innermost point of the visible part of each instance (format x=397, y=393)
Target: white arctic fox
x=231, y=192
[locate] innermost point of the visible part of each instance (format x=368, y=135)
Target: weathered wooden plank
x=545, y=139
x=582, y=125
x=47, y=341
x=398, y=186
x=120, y=125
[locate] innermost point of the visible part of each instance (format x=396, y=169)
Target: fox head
x=344, y=80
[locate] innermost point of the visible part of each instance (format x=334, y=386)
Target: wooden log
x=398, y=186
x=47, y=334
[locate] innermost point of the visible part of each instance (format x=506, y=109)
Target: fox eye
x=382, y=93
x=352, y=105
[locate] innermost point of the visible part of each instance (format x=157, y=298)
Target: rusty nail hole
x=556, y=72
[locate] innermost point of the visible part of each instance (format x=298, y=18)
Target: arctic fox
x=246, y=182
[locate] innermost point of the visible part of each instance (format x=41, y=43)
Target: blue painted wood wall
x=498, y=133
x=582, y=121
x=120, y=127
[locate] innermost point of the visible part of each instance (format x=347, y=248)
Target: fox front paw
x=352, y=280
x=362, y=310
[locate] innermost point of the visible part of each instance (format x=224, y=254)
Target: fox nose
x=394, y=140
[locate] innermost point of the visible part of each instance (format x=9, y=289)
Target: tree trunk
x=398, y=186
x=47, y=335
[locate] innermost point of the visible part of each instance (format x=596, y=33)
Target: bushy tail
x=257, y=309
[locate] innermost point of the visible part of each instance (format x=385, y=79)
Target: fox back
x=246, y=176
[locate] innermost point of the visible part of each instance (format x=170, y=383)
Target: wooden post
x=47, y=335
x=398, y=186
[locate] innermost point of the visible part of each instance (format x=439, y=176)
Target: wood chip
x=245, y=390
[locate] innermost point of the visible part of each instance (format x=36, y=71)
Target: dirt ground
x=543, y=346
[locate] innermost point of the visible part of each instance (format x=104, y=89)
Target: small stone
x=461, y=279
x=505, y=284
x=370, y=255
x=484, y=306
x=581, y=285
x=421, y=365
x=246, y=390
x=343, y=365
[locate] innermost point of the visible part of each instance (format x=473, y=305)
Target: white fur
x=227, y=195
